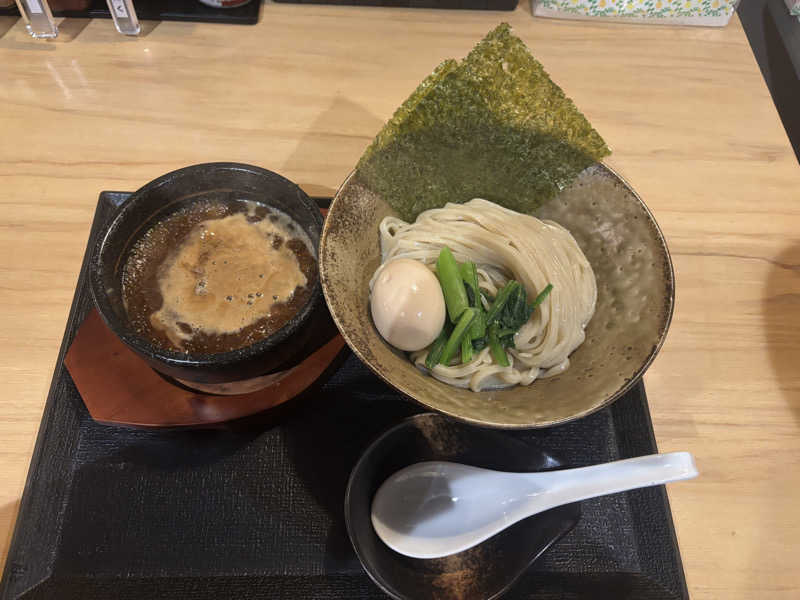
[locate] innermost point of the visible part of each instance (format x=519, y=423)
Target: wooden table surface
x=685, y=111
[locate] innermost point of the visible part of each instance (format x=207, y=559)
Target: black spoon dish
x=485, y=571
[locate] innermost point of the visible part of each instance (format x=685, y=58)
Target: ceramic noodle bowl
x=635, y=282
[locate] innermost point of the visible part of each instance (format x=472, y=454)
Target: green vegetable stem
x=542, y=295
x=436, y=349
x=466, y=349
x=454, y=342
x=455, y=296
x=498, y=353
x=469, y=273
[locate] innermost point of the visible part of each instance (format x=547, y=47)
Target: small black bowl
x=218, y=181
x=483, y=572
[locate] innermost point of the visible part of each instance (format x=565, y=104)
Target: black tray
x=164, y=10
x=255, y=510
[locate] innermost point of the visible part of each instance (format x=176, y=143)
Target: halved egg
x=407, y=304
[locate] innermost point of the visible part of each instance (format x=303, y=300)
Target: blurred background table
x=685, y=110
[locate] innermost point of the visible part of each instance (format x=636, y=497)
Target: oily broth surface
x=217, y=276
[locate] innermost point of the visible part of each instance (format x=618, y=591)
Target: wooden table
x=685, y=111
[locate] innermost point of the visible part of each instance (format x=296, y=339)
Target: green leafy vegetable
x=478, y=329
x=507, y=293
x=516, y=311
x=469, y=328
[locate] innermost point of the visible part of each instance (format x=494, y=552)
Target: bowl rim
x=180, y=359
x=627, y=386
x=367, y=452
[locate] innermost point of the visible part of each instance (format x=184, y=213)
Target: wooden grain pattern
x=119, y=387
x=685, y=111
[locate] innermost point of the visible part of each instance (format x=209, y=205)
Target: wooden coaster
x=120, y=388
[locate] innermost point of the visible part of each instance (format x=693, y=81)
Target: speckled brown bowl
x=635, y=299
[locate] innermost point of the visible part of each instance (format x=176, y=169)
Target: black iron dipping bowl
x=483, y=572
x=228, y=182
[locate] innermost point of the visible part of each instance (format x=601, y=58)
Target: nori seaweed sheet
x=494, y=126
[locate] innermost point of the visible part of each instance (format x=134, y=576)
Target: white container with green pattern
x=713, y=13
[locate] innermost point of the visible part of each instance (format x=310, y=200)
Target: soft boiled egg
x=407, y=304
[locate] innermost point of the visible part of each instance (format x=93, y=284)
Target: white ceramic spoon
x=434, y=509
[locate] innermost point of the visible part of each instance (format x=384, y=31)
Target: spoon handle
x=572, y=485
